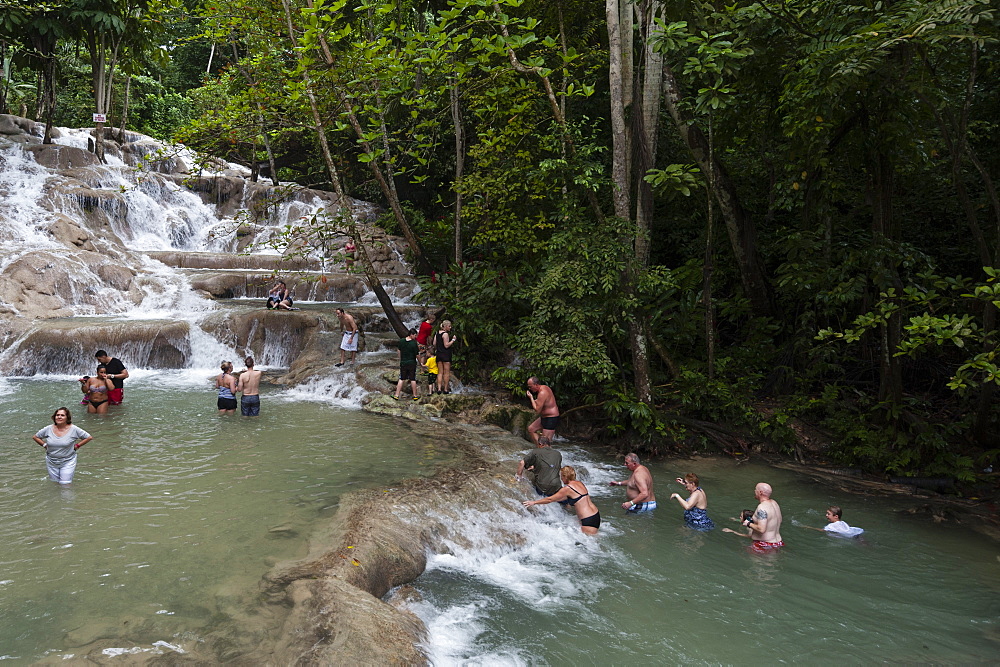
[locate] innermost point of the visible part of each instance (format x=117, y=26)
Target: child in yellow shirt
x=432, y=373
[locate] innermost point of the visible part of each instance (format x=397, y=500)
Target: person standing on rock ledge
x=116, y=373
x=543, y=402
x=408, y=350
x=349, y=343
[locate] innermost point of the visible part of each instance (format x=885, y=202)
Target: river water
x=650, y=591
x=175, y=513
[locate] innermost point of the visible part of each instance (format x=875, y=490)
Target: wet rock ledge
x=379, y=541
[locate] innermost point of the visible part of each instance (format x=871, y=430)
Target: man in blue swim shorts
x=638, y=487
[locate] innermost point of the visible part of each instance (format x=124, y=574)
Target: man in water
x=349, y=343
x=116, y=373
x=638, y=487
x=764, y=526
x=545, y=462
x=249, y=384
x=543, y=402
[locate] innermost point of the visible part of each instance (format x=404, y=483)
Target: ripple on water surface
x=175, y=512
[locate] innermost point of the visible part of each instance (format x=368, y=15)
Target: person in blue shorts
x=639, y=487
x=249, y=384
x=696, y=505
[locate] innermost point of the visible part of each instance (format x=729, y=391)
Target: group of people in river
x=248, y=385
x=62, y=438
x=559, y=484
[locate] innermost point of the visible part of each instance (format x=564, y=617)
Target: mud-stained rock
x=68, y=232
x=65, y=346
x=14, y=125
x=117, y=276
x=333, y=623
x=56, y=156
x=216, y=260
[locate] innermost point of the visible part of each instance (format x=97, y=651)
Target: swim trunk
x=250, y=406
x=697, y=518
x=647, y=506
x=408, y=372
x=228, y=403
x=432, y=378
x=116, y=396
x=350, y=344
x=550, y=423
x=761, y=547
x=592, y=521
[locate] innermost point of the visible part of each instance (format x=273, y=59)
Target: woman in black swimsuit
x=442, y=349
x=97, y=391
x=575, y=493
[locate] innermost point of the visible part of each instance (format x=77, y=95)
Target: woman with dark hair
x=98, y=390
x=61, y=440
x=695, y=514
x=574, y=493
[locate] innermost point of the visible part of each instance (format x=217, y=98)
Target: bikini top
x=572, y=501
x=97, y=390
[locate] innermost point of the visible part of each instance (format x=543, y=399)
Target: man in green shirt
x=545, y=462
x=408, y=350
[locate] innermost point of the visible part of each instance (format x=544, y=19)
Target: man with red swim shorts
x=764, y=526
x=116, y=373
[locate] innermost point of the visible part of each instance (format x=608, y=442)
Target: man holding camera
x=764, y=523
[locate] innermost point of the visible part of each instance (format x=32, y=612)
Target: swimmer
x=639, y=487
x=98, y=389
x=226, y=385
x=695, y=514
x=764, y=524
x=836, y=525
x=574, y=493
x=61, y=440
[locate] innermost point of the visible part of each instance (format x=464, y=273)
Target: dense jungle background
x=706, y=225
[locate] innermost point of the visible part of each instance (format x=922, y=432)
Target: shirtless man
x=638, y=487
x=764, y=527
x=349, y=343
x=249, y=384
x=543, y=402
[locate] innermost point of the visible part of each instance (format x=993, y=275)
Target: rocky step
x=308, y=286
x=218, y=260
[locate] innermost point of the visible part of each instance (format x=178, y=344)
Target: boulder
x=68, y=232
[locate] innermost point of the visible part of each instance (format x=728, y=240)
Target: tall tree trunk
x=456, y=120
x=371, y=277
x=740, y=227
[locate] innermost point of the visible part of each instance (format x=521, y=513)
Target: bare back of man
x=768, y=519
x=249, y=383
x=543, y=402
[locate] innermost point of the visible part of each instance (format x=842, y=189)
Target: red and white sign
x=100, y=118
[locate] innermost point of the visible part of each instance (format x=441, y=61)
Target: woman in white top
x=61, y=440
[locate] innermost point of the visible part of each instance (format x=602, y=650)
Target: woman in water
x=61, y=440
x=97, y=389
x=574, y=493
x=226, y=384
x=442, y=350
x=694, y=507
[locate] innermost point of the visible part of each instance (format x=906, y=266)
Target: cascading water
x=80, y=235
